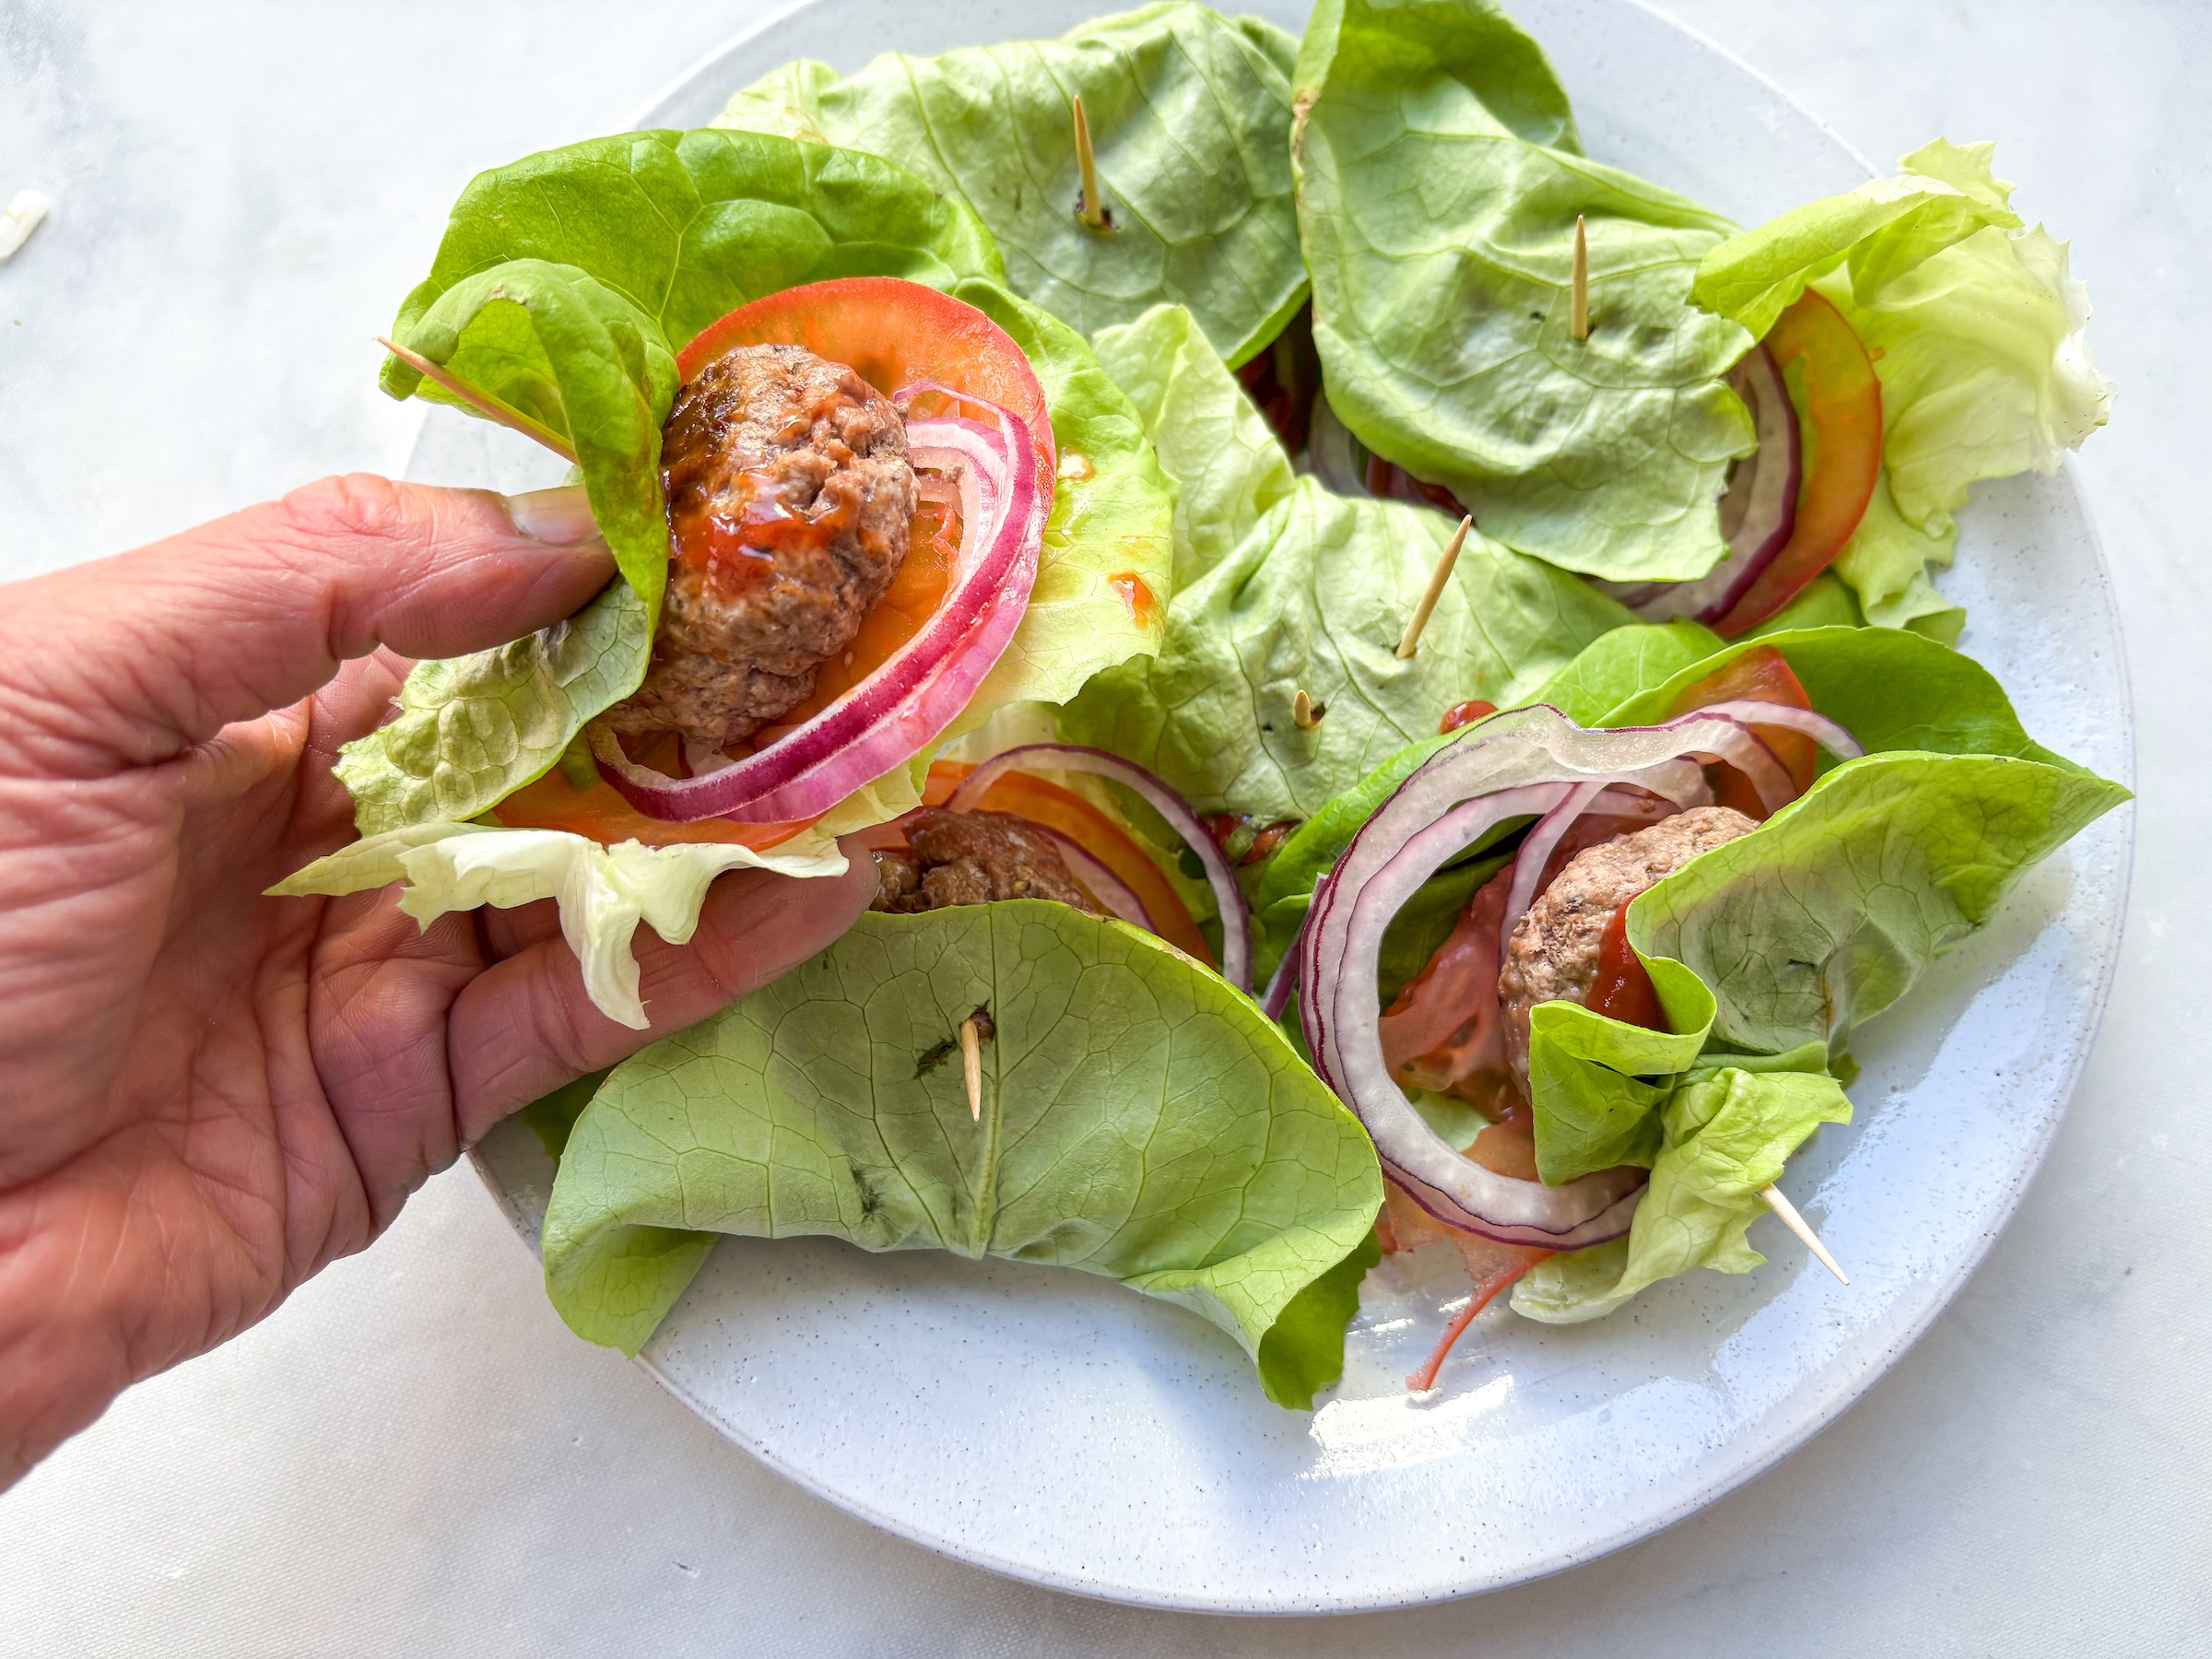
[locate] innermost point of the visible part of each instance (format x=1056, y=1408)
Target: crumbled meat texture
x=895, y=878
x=972, y=858
x=790, y=501
x=1552, y=956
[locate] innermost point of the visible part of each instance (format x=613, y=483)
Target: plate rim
x=1835, y=1390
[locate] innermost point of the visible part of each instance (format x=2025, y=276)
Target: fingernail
x=560, y=517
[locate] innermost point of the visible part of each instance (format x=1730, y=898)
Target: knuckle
x=354, y=506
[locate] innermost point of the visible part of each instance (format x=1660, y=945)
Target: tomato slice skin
x=599, y=814
x=1760, y=674
x=1062, y=809
x=1842, y=421
x=892, y=334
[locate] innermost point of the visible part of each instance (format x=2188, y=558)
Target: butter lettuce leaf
x=1312, y=595
x=1227, y=465
x=1884, y=230
x=1439, y=182
x=1190, y=118
x=562, y=348
x=472, y=730
x=1825, y=915
x=1586, y=1076
x=604, y=892
x=1724, y=1136
x=1886, y=565
x=1891, y=689
x=1768, y=952
x=1108, y=560
x=686, y=227
x=1140, y=1120
x=1625, y=663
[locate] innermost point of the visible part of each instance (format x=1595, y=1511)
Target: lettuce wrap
x=564, y=287
x=1439, y=177
x=1766, y=953
x=1978, y=334
x=1139, y=1120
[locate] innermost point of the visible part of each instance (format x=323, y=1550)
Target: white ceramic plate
x=1054, y=1427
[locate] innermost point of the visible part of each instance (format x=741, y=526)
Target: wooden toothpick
x=1579, y=313
x=482, y=402
x=971, y=1067
x=1410, y=641
x=1094, y=209
x=1801, y=1228
x=1305, y=713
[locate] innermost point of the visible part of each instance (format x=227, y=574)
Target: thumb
x=131, y=660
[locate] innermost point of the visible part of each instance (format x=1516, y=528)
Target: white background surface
x=415, y=1455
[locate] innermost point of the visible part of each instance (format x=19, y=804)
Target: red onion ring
x=921, y=687
x=1229, y=898
x=1818, y=727
x=1283, y=983
x=1099, y=881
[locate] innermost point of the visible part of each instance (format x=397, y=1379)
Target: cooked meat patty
x=1552, y=956
x=790, y=499
x=972, y=858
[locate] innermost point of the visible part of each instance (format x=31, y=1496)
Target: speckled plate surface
x=1050, y=1426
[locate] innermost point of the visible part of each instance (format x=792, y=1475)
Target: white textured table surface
x=413, y=1455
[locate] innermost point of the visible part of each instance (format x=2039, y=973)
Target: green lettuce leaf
x=1826, y=600
x=1109, y=535
x=1723, y=1135
x=604, y=891
x=1977, y=330
x=1826, y=914
x=1886, y=564
x=1140, y=1120
x=472, y=730
x=1313, y=595
x=1190, y=117
x=1882, y=231
x=1439, y=182
x=1624, y=664
x=563, y=349
x=1891, y=689
x=1227, y=465
x=1592, y=1107
x=1984, y=357
x=687, y=226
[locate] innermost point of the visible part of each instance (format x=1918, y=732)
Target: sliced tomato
x=599, y=814
x=1062, y=809
x=1826, y=364
x=1760, y=674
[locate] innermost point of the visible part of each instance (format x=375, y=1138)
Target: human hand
x=207, y=1095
